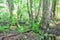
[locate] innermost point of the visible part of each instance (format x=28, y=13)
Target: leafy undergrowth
x=23, y=29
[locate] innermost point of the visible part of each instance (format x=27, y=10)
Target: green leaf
x=2, y=29
x=21, y=29
x=1, y=7
x=14, y=19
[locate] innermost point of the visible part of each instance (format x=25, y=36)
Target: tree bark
x=10, y=7
x=46, y=14
x=32, y=13
x=53, y=8
x=45, y=17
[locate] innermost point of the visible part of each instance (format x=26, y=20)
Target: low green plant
x=36, y=29
x=58, y=27
x=4, y=27
x=21, y=29
x=5, y=17
x=1, y=7
x=14, y=19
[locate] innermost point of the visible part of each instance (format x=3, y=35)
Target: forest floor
x=25, y=36
x=15, y=36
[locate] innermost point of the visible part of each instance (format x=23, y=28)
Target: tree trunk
x=39, y=11
x=10, y=7
x=45, y=16
x=53, y=8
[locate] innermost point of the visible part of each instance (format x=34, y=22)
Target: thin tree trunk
x=53, y=8
x=28, y=9
x=10, y=7
x=39, y=10
x=31, y=10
